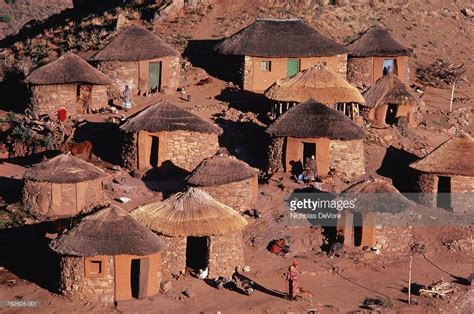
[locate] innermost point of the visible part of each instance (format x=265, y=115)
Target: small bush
x=5, y=18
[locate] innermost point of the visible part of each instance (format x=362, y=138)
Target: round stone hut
x=318, y=83
x=313, y=129
x=227, y=179
x=62, y=186
x=69, y=83
x=138, y=58
x=374, y=54
x=200, y=233
x=274, y=48
x=109, y=257
x=389, y=101
x=164, y=134
x=446, y=175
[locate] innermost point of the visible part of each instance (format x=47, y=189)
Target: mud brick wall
x=130, y=151
x=99, y=98
x=48, y=99
x=275, y=154
x=75, y=285
x=393, y=240
x=225, y=254
x=174, y=256
x=347, y=157
x=53, y=199
x=187, y=149
x=360, y=71
x=121, y=74
x=462, y=189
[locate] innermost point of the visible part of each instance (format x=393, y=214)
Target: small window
x=266, y=66
x=94, y=267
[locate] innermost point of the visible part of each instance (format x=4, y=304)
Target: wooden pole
x=452, y=97
x=409, y=278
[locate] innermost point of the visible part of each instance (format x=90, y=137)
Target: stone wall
x=99, y=98
x=275, y=154
x=121, y=74
x=238, y=195
x=130, y=151
x=462, y=189
x=347, y=157
x=360, y=72
x=48, y=99
x=247, y=81
x=77, y=286
x=393, y=240
x=53, y=199
x=174, y=256
x=225, y=254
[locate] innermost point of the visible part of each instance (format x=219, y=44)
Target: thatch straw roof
x=453, y=157
x=68, y=68
x=64, y=169
x=221, y=169
x=376, y=195
x=312, y=119
x=110, y=231
x=317, y=82
x=389, y=89
x=279, y=38
x=133, y=44
x=377, y=42
x=164, y=116
x=191, y=213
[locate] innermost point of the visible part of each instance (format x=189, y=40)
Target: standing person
x=292, y=280
x=127, y=98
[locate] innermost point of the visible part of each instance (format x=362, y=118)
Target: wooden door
x=154, y=76
x=293, y=67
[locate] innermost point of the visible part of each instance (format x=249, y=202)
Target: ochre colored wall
x=378, y=114
x=294, y=152
x=364, y=72
x=402, y=71
x=48, y=99
x=258, y=81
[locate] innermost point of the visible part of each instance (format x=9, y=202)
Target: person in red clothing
x=292, y=280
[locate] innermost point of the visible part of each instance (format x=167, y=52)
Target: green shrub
x=5, y=18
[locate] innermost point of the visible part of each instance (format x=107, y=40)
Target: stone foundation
x=347, y=157
x=237, y=195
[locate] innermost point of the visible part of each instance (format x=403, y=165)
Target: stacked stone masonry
x=225, y=254
x=48, y=99
x=347, y=157
x=174, y=256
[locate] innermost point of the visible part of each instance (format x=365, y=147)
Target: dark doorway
x=135, y=278
x=309, y=150
x=444, y=193
x=358, y=222
x=154, y=149
x=391, y=116
x=197, y=253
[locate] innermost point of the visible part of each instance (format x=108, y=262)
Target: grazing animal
x=306, y=295
x=82, y=150
x=203, y=273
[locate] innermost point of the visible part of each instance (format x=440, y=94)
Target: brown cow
x=82, y=150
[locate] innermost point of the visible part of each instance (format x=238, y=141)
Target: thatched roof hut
x=191, y=213
x=164, y=116
x=110, y=231
x=64, y=169
x=452, y=158
x=221, y=169
x=67, y=69
x=389, y=90
x=377, y=42
x=318, y=83
x=133, y=44
x=312, y=119
x=279, y=38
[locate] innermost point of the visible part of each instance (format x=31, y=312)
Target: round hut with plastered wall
x=313, y=129
x=138, y=58
x=318, y=83
x=374, y=54
x=199, y=232
x=109, y=257
x=227, y=179
x=163, y=133
x=389, y=101
x=274, y=48
x=446, y=175
x=63, y=186
x=69, y=83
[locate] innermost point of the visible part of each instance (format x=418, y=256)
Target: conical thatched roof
x=164, y=116
x=133, y=44
x=389, y=89
x=376, y=195
x=110, y=231
x=221, y=169
x=68, y=68
x=453, y=157
x=279, y=38
x=312, y=119
x=318, y=83
x=191, y=213
x=377, y=42
x=64, y=169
